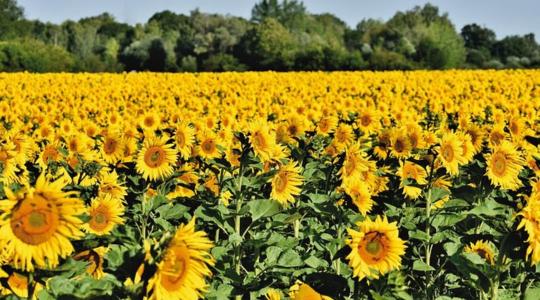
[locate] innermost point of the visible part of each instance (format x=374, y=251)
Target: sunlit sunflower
x=8, y=164
x=18, y=284
x=150, y=121
x=286, y=183
x=450, y=153
x=186, y=184
x=376, y=248
x=503, y=166
x=531, y=223
x=326, y=125
x=467, y=147
x=354, y=164
x=105, y=213
x=477, y=137
x=182, y=272
x=302, y=291
x=262, y=141
x=208, y=145
x=95, y=259
x=38, y=224
x=109, y=185
x=343, y=136
x=382, y=145
x=368, y=120
x=408, y=170
x=111, y=148
x=360, y=195
x=156, y=158
x=496, y=135
x=184, y=136
x=483, y=249
x=400, y=144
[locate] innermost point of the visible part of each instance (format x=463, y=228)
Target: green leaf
x=419, y=235
x=313, y=262
x=263, y=208
x=272, y=254
x=290, y=258
x=169, y=211
x=419, y=265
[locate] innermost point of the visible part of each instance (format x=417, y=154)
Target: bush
x=222, y=63
x=382, y=59
x=33, y=56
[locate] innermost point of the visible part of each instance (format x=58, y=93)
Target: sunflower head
x=375, y=249
x=483, y=249
x=286, y=183
x=156, y=158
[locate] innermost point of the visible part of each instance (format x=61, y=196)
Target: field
x=345, y=185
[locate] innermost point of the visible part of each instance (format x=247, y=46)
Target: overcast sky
x=506, y=17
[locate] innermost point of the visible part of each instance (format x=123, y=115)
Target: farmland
x=300, y=185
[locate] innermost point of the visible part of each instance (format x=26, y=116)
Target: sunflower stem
x=237, y=223
x=296, y=228
x=31, y=285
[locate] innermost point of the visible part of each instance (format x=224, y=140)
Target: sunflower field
x=345, y=185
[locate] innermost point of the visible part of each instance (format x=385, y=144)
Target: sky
x=505, y=17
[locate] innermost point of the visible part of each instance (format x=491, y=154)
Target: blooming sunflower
x=410, y=170
x=302, y=291
x=208, y=146
x=181, y=273
x=286, y=183
x=109, y=185
x=531, y=223
x=273, y=294
x=483, y=249
x=111, y=148
x=262, y=141
x=451, y=153
x=105, y=213
x=343, y=136
x=360, y=195
x=503, y=166
x=401, y=145
x=354, y=164
x=184, y=137
x=376, y=248
x=327, y=125
x=38, y=223
x=156, y=158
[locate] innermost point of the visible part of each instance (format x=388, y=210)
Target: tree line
x=281, y=36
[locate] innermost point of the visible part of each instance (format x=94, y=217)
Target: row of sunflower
x=347, y=185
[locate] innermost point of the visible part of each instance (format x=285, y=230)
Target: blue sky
x=503, y=16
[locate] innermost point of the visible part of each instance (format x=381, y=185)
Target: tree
x=478, y=37
x=10, y=13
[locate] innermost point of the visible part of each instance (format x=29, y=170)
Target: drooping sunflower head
x=185, y=265
x=286, y=183
x=408, y=170
x=95, y=259
x=39, y=223
x=504, y=164
x=483, y=249
x=105, y=213
x=376, y=248
x=156, y=158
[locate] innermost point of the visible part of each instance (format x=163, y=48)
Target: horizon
x=505, y=18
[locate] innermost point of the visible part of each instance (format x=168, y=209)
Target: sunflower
x=94, y=258
x=327, y=125
x=38, y=224
x=286, y=183
x=496, y=135
x=477, y=137
x=531, y=223
x=156, y=158
x=302, y=291
x=111, y=148
x=467, y=147
x=450, y=153
x=182, y=272
x=188, y=177
x=8, y=167
x=208, y=146
x=376, y=248
x=262, y=141
x=343, y=136
x=18, y=285
x=383, y=145
x=409, y=170
x=401, y=145
x=273, y=294
x=368, y=121
x=354, y=164
x=504, y=164
x=105, y=213
x=184, y=137
x=360, y=195
x=483, y=249
x=109, y=185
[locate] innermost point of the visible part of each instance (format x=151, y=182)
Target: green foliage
x=34, y=56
